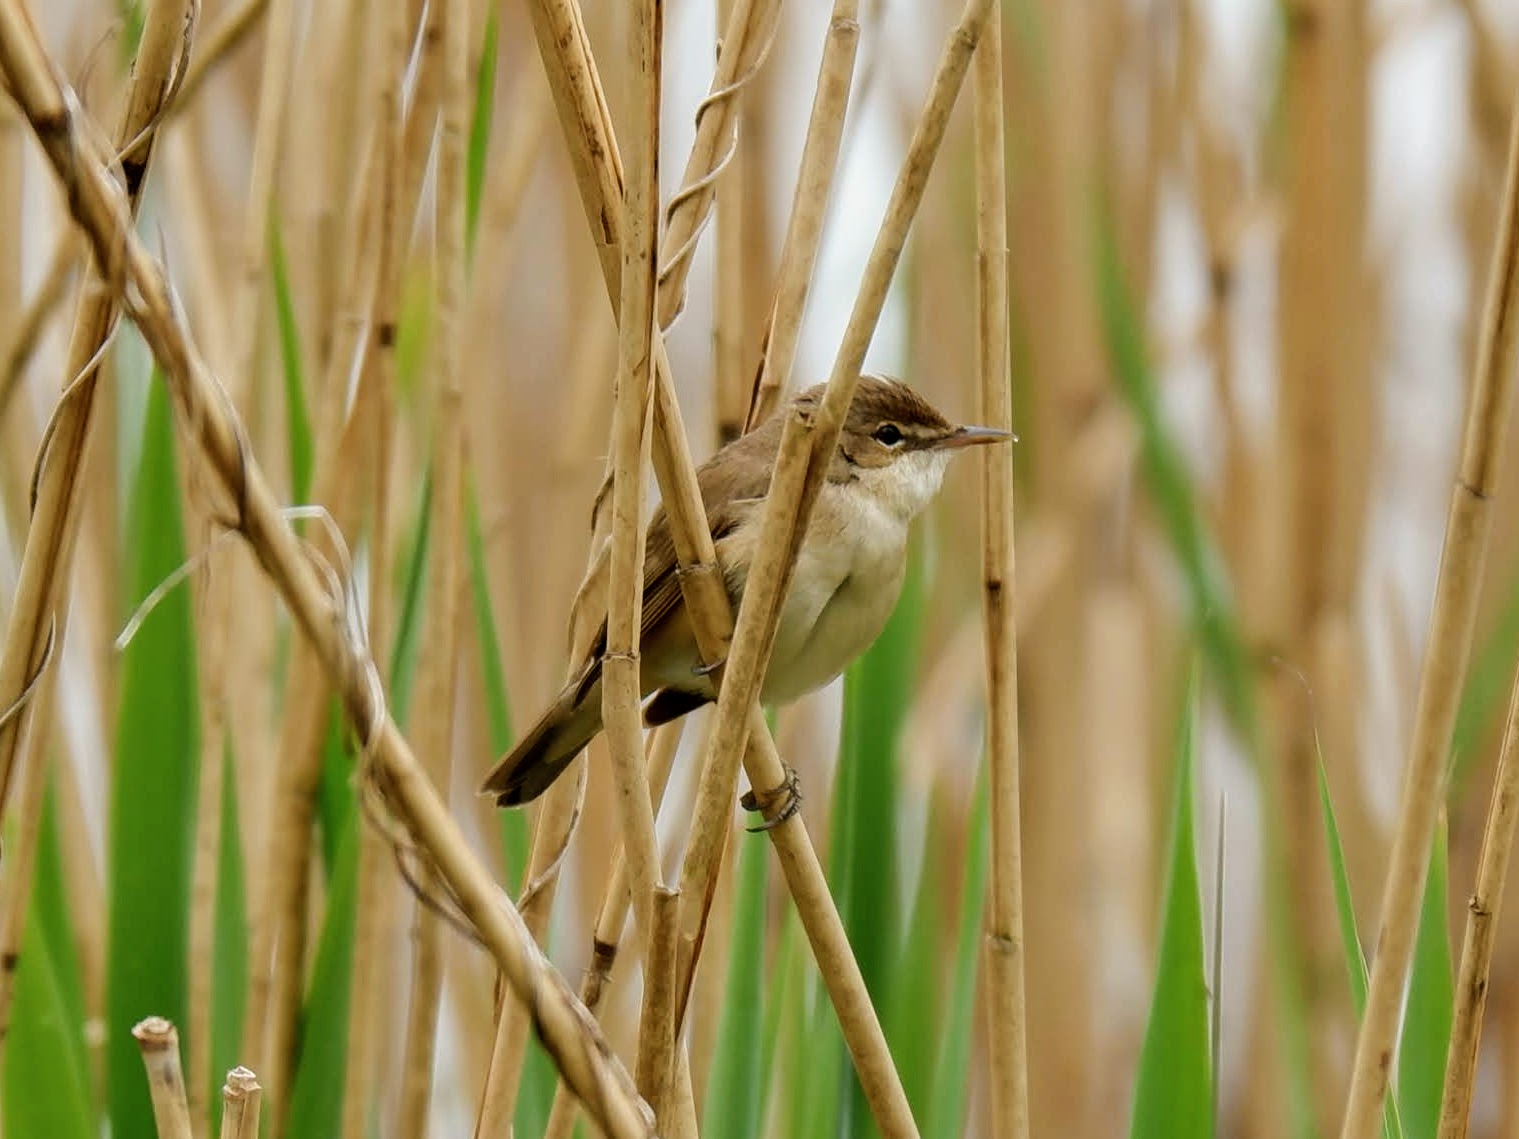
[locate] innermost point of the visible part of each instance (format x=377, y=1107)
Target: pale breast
x=849, y=575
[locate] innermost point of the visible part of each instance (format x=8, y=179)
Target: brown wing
x=731, y=482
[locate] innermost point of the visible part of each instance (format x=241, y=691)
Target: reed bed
x=345, y=349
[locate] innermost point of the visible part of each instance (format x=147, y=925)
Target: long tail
x=541, y=756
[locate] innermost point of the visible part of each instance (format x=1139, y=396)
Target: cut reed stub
x=241, y=1099
x=159, y=1041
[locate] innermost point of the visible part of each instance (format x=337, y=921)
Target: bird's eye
x=888, y=434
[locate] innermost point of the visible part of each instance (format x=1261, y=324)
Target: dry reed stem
x=437, y=677
x=567, y=1030
x=38, y=617
x=621, y=692
x=241, y=1097
x=159, y=1043
x=612, y=917
x=809, y=208
x=25, y=332
x=1007, y=1016
x=1481, y=928
x=1445, y=663
x=655, y=1066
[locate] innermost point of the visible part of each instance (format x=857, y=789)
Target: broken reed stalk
x=140, y=283
x=611, y=918
x=437, y=676
x=655, y=1065
x=1481, y=929
x=241, y=1097
x=159, y=1043
x=1445, y=662
x=1007, y=1016
x=39, y=617
x=621, y=691
x=809, y=208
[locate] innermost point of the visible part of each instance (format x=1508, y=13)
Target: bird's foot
x=708, y=669
x=777, y=805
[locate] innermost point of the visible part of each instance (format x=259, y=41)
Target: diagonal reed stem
x=142, y=286
x=1467, y=528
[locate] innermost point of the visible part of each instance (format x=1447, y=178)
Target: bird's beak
x=972, y=436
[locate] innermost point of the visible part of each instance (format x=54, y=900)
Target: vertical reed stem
x=1007, y=1018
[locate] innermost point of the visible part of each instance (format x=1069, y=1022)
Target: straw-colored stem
x=809, y=207
x=140, y=282
x=621, y=691
x=655, y=1068
x=1481, y=928
x=159, y=1043
x=34, y=636
x=1007, y=1016
x=1445, y=664
x=208, y=844
x=611, y=918
x=241, y=1098
x=438, y=670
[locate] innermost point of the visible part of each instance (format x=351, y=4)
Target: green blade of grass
x=1350, y=941
x=297, y=421
x=951, y=1088
x=152, y=820
x=1431, y=999
x=43, y=1088
x=229, y=948
x=480, y=131
x=735, y=1092
x=403, y=659
x=514, y=834
x=316, y=1097
x=1486, y=689
x=45, y=1091
x=913, y=1025
x=1173, y=1098
x=863, y=860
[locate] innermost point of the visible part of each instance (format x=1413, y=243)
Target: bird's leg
x=777, y=805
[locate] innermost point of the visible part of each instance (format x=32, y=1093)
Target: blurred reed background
x=1248, y=246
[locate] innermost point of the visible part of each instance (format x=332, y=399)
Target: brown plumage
x=844, y=588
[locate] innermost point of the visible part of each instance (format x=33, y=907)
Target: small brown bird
x=891, y=458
